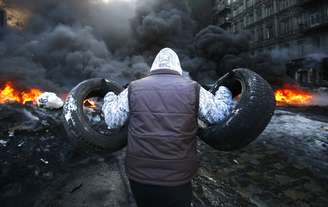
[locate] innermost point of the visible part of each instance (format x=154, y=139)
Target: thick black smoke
x=230, y=51
x=65, y=42
x=163, y=23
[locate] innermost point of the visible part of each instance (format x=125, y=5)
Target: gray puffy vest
x=162, y=129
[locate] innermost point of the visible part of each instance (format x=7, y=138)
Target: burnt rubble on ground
x=36, y=158
x=33, y=151
x=286, y=166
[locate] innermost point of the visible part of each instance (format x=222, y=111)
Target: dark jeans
x=161, y=196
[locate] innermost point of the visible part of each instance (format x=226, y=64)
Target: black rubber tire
x=249, y=118
x=81, y=134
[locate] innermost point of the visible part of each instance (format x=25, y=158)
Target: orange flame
x=291, y=95
x=10, y=94
x=90, y=103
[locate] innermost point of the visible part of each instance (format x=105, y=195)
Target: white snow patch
x=70, y=107
x=3, y=143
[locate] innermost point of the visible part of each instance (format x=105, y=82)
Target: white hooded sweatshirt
x=212, y=109
x=167, y=59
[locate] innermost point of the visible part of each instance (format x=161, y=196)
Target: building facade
x=293, y=28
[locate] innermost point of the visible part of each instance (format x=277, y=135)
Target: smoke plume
x=63, y=43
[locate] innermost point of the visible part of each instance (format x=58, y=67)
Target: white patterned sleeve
x=116, y=109
x=214, y=109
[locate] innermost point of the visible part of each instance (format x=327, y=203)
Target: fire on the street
x=9, y=94
x=288, y=95
x=291, y=95
x=90, y=103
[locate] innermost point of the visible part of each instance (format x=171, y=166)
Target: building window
x=314, y=19
x=259, y=13
x=282, y=4
x=253, y=39
x=268, y=10
x=288, y=25
x=316, y=42
x=283, y=27
x=286, y=46
x=268, y=32
x=259, y=34
x=293, y=23
x=249, y=19
x=299, y=22
x=249, y=3
x=324, y=69
x=300, y=46
x=242, y=26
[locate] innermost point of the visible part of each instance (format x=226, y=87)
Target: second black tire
x=249, y=118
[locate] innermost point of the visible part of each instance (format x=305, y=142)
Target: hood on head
x=167, y=59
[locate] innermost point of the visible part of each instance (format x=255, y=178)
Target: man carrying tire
x=162, y=112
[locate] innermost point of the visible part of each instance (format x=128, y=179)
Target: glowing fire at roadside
x=291, y=95
x=9, y=94
x=90, y=103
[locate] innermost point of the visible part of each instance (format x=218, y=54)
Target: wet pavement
x=286, y=166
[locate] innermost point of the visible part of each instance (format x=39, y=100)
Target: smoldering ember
x=48, y=47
